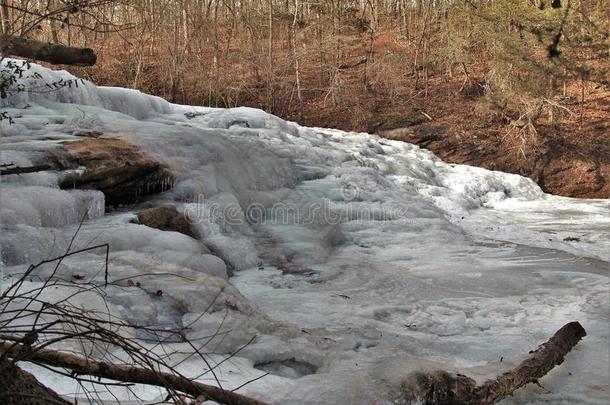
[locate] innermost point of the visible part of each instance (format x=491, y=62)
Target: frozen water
x=355, y=259
x=48, y=207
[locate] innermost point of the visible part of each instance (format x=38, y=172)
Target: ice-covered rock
x=117, y=168
x=48, y=207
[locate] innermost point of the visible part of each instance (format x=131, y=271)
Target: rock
x=208, y=264
x=122, y=171
x=88, y=134
x=166, y=218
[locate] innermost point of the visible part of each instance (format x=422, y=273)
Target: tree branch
x=124, y=373
x=21, y=170
x=442, y=388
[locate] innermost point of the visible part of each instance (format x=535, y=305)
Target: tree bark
x=442, y=388
x=5, y=17
x=22, y=170
x=43, y=51
x=295, y=56
x=124, y=373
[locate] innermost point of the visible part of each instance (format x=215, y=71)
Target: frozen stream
x=356, y=259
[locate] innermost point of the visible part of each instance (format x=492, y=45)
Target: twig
x=124, y=373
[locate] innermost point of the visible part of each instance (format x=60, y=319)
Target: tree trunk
x=5, y=16
x=295, y=57
x=535, y=366
x=46, y=52
x=270, y=93
x=442, y=388
x=20, y=170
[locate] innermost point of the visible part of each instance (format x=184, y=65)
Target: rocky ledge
x=119, y=169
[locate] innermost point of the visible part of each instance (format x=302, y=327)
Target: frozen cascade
x=356, y=258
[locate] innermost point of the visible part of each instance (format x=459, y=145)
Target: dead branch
x=428, y=117
x=21, y=170
x=353, y=65
x=43, y=51
x=125, y=373
x=442, y=388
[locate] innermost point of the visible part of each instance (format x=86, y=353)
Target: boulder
x=122, y=171
x=166, y=218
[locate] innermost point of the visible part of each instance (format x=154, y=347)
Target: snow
x=358, y=257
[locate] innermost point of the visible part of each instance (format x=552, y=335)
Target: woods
x=294, y=58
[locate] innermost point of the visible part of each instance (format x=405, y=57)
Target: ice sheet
x=354, y=257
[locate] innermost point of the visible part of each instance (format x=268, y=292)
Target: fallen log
x=353, y=65
x=442, y=388
x=22, y=170
x=123, y=373
x=55, y=54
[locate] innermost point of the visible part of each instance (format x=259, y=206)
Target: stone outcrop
x=166, y=218
x=122, y=171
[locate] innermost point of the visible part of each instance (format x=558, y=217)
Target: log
x=123, y=373
x=442, y=388
x=55, y=54
x=22, y=170
x=353, y=65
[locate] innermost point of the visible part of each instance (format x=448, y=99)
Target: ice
x=28, y=244
x=48, y=207
x=350, y=259
x=78, y=91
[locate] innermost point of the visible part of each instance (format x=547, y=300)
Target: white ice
x=392, y=259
